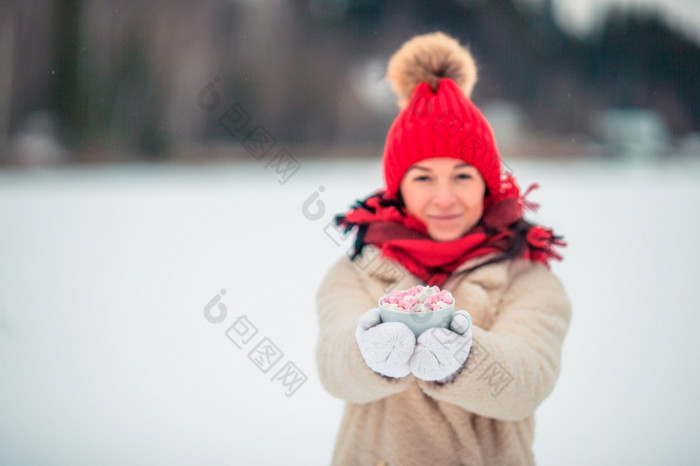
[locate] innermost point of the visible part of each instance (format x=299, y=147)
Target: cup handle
x=465, y=314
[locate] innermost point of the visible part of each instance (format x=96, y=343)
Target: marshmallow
x=417, y=299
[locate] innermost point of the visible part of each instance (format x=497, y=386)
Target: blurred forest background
x=120, y=80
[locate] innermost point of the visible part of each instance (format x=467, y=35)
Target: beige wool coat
x=485, y=416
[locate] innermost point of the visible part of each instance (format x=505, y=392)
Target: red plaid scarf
x=402, y=237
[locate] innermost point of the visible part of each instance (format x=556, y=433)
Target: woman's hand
x=441, y=353
x=387, y=347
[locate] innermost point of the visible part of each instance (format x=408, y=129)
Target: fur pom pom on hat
x=429, y=58
x=433, y=77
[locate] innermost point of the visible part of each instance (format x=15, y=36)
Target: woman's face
x=446, y=194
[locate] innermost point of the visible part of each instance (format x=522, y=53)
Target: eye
x=464, y=176
x=421, y=178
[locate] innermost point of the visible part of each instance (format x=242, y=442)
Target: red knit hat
x=433, y=76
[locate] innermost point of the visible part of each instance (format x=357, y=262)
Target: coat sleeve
x=514, y=365
x=341, y=299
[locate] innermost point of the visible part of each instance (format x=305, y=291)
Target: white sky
x=580, y=15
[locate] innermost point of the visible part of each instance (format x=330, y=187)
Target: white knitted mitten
x=387, y=347
x=441, y=353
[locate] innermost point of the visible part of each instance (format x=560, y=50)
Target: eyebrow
x=459, y=165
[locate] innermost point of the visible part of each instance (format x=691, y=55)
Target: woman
x=447, y=216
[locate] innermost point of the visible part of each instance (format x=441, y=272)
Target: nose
x=444, y=195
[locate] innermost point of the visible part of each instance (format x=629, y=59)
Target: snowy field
x=106, y=356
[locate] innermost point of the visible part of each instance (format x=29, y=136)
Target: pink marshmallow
x=418, y=299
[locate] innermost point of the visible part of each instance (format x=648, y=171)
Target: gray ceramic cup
x=419, y=322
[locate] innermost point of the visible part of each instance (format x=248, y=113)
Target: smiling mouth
x=445, y=218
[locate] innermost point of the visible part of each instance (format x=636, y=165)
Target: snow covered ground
x=106, y=356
